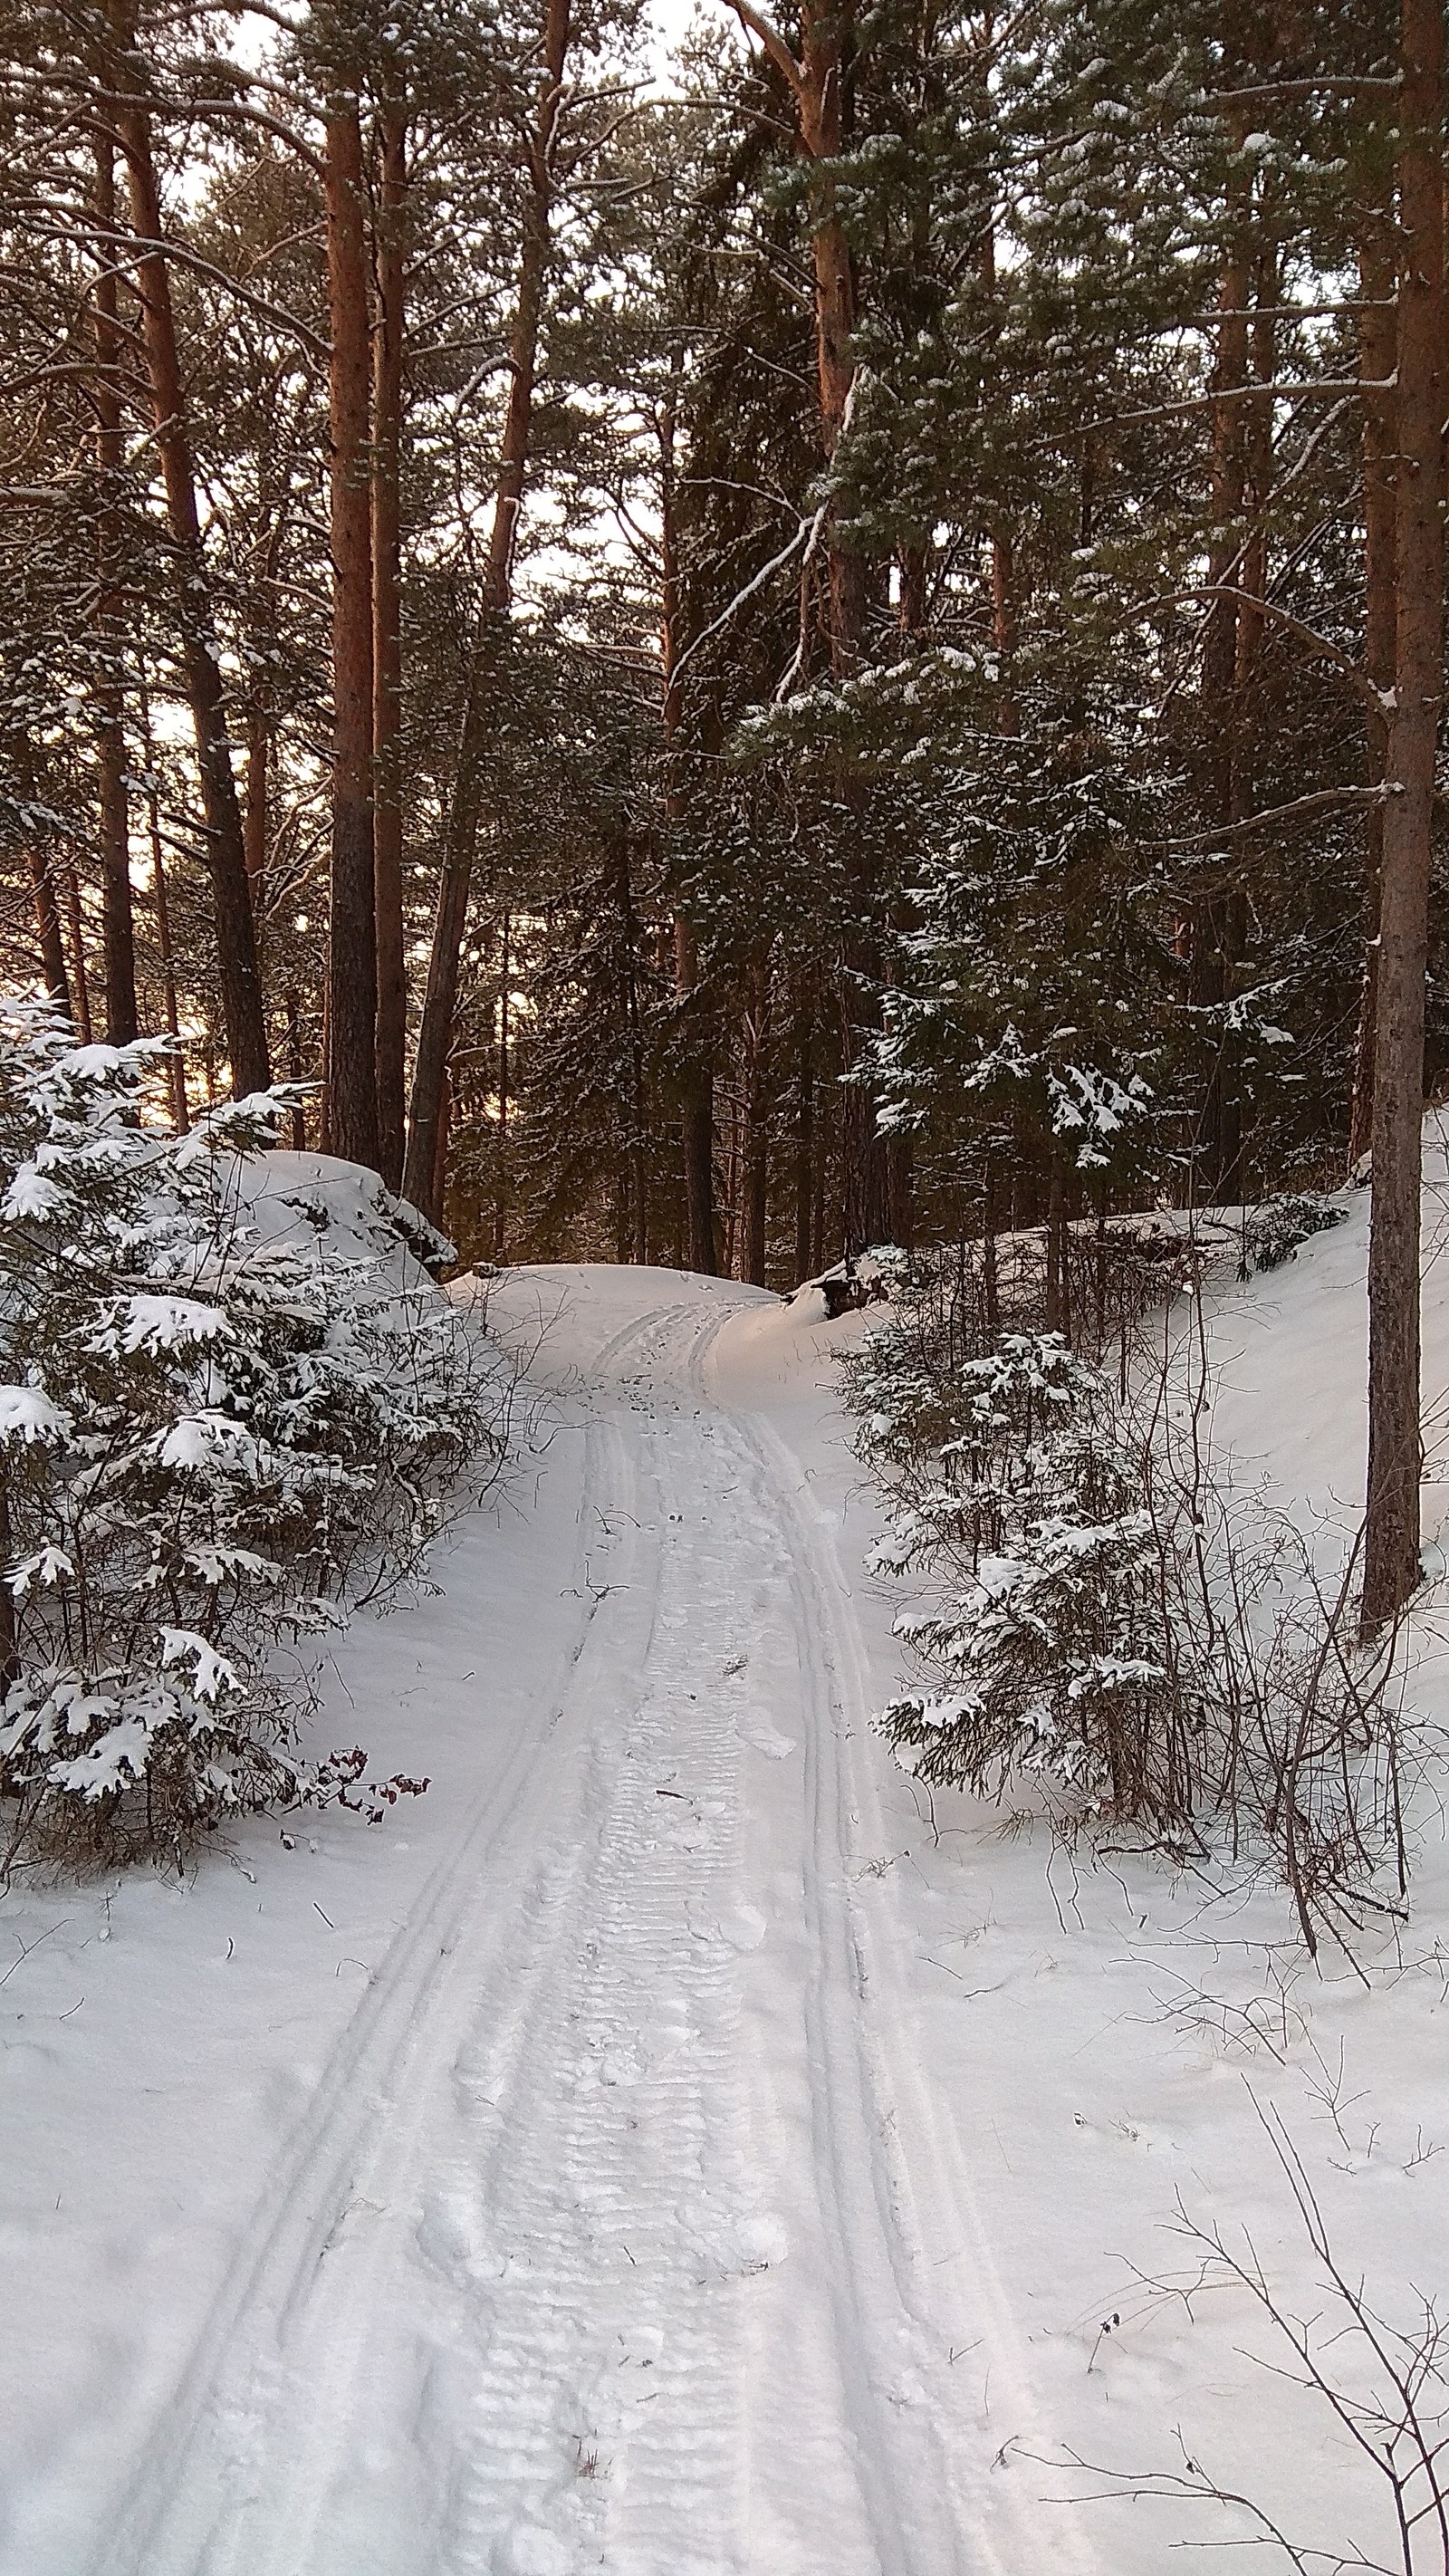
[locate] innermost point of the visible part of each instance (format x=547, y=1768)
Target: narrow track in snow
x=603, y=2244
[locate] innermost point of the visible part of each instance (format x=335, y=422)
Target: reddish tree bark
x=392, y=999
x=1377, y=351
x=816, y=79
x=241, y=991
x=426, y=1138
x=352, y=966
x=1391, y=1538
x=118, y=939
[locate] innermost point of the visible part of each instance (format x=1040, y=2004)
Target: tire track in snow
x=186, y=2485
x=905, y=2489
x=504, y=2315
x=907, y=2163
x=580, y=2209
x=614, y=2197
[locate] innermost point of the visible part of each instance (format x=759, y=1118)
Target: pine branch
x=1323, y=649
x=1326, y=84
x=1321, y=801
x=773, y=42
x=756, y=583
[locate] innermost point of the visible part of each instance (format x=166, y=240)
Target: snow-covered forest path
x=611, y=2236
x=668, y=2147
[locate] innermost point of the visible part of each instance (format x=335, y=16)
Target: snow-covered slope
x=1289, y=1361
x=669, y=2146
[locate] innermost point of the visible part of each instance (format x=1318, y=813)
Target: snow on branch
x=228, y=1406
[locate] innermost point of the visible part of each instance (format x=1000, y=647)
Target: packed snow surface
x=669, y=2147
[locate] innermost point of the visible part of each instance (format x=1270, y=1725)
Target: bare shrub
x=1384, y=2383
x=1157, y=1652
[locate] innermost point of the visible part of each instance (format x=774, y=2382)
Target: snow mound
x=346, y=1211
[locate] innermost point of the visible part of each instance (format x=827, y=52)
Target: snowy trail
x=671, y=2147
x=604, y=2243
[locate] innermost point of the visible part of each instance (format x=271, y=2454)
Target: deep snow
x=666, y=2147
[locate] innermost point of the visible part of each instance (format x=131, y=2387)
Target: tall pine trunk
x=43, y=882
x=819, y=83
x=241, y=990
x=118, y=937
x=352, y=967
x=392, y=1000
x=1391, y=1549
x=435, y=1034
x=1211, y=940
x=696, y=1102
x=1377, y=351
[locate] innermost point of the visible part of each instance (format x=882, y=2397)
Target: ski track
x=539, y=2286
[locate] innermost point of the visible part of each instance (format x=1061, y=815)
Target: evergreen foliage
x=224, y=1417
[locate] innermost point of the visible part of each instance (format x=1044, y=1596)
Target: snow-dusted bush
x=221, y=1419
x=1273, y=1231
x=1051, y=1645
x=1106, y=1618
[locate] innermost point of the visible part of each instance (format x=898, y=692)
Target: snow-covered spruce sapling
x=212, y=1438
x=1054, y=1655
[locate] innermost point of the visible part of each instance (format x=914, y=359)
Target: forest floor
x=667, y=2147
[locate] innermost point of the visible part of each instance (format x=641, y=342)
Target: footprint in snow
x=529, y=2550
x=763, y=2241
x=449, y=2236
x=764, y=1738
x=623, y=2062
x=742, y=1926
x=732, y=2249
